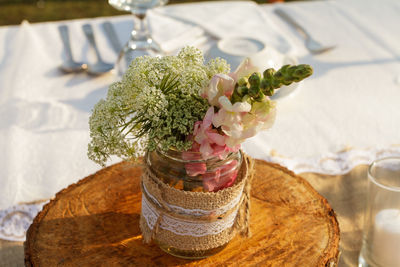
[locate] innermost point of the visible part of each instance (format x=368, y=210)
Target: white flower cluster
x=134, y=112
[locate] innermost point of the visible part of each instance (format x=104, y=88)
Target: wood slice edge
x=33, y=228
x=331, y=254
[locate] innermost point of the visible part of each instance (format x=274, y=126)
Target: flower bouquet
x=188, y=119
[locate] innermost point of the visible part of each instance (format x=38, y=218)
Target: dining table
x=327, y=130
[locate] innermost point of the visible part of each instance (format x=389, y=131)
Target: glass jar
x=188, y=171
x=381, y=237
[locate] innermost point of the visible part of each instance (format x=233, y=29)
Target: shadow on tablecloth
x=11, y=253
x=346, y=194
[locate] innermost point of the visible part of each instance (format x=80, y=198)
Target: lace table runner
x=15, y=221
x=332, y=163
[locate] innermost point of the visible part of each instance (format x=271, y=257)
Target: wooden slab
x=95, y=222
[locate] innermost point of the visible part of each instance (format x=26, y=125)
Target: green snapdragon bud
x=254, y=91
x=247, y=99
x=235, y=97
x=259, y=97
x=269, y=91
x=301, y=72
x=257, y=88
x=242, y=90
x=269, y=73
x=243, y=81
x=289, y=74
x=268, y=83
x=280, y=74
x=255, y=79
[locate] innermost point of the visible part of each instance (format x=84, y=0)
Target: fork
x=312, y=45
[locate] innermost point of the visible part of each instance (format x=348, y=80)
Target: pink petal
x=223, y=177
x=230, y=179
x=194, y=169
x=197, y=126
x=229, y=174
x=205, y=149
x=195, y=147
x=217, y=82
x=219, y=151
x=228, y=167
x=193, y=152
x=216, y=138
x=208, y=118
x=228, y=85
x=211, y=180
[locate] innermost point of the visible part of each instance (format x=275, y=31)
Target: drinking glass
x=381, y=239
x=140, y=43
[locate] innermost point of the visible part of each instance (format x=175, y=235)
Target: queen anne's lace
x=185, y=227
x=155, y=103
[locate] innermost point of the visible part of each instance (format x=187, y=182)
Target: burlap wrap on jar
x=195, y=220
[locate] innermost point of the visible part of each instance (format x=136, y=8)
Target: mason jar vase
x=188, y=171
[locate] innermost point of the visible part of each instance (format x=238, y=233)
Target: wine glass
x=140, y=43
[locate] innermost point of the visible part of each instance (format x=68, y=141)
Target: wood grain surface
x=95, y=222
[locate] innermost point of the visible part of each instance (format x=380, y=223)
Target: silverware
x=100, y=67
x=112, y=36
x=312, y=45
x=69, y=65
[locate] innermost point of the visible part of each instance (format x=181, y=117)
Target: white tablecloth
x=347, y=113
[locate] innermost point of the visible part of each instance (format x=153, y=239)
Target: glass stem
x=140, y=32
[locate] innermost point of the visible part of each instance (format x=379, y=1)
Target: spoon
x=69, y=65
x=312, y=45
x=100, y=67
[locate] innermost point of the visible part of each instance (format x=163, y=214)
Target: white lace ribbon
x=185, y=227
